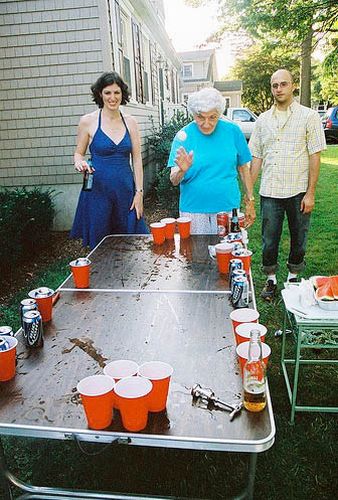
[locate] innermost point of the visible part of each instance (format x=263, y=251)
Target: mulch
x=60, y=247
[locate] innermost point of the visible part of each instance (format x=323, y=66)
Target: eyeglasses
x=282, y=85
x=206, y=119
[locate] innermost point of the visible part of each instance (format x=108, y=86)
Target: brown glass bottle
x=234, y=224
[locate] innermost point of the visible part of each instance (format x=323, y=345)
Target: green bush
x=160, y=145
x=26, y=218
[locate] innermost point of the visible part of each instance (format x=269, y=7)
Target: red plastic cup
x=245, y=256
x=7, y=359
x=170, y=226
x=159, y=374
x=121, y=368
x=244, y=315
x=242, y=351
x=184, y=226
x=223, y=255
x=118, y=369
x=243, y=330
x=133, y=396
x=158, y=231
x=97, y=399
x=81, y=272
x=44, y=299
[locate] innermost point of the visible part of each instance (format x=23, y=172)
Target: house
x=52, y=51
x=231, y=90
x=199, y=70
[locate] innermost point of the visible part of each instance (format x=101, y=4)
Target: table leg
x=248, y=492
x=283, y=337
x=296, y=375
x=4, y=483
x=252, y=473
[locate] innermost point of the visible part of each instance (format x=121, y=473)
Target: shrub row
x=26, y=218
x=160, y=145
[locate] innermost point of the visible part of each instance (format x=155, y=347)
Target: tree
x=255, y=68
x=329, y=79
x=303, y=19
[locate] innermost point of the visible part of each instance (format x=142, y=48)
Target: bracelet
x=139, y=191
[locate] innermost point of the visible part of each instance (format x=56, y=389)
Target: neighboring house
x=199, y=70
x=52, y=51
x=231, y=91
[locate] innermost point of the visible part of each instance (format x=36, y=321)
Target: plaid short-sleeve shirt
x=285, y=149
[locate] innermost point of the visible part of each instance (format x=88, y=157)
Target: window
x=125, y=49
x=173, y=87
x=111, y=33
x=147, y=68
x=138, y=62
x=187, y=70
x=241, y=115
x=153, y=71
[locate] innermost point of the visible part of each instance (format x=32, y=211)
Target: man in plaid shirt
x=286, y=145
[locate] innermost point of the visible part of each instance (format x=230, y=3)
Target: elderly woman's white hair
x=206, y=100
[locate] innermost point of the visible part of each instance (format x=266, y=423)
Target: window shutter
x=153, y=71
x=138, y=62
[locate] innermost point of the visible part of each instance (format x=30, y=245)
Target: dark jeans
x=272, y=212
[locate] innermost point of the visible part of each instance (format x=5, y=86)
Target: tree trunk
x=305, y=70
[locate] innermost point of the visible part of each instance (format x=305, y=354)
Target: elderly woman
x=205, y=159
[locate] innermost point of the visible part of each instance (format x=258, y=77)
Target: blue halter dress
x=106, y=208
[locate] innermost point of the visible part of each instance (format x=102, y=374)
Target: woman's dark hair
x=108, y=79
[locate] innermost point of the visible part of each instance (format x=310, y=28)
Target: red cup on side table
x=242, y=351
x=159, y=374
x=7, y=357
x=170, y=226
x=184, y=226
x=242, y=331
x=223, y=256
x=118, y=369
x=97, y=398
x=81, y=272
x=44, y=299
x=133, y=396
x=244, y=315
x=158, y=231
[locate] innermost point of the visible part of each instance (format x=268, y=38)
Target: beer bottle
x=88, y=178
x=254, y=378
x=234, y=224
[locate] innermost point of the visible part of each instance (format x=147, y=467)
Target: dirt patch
x=61, y=247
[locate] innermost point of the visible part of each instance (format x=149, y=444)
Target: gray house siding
x=49, y=60
x=51, y=53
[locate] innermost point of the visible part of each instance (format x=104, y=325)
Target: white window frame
x=147, y=66
x=127, y=49
x=187, y=65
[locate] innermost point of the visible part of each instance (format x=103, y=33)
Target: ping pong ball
x=181, y=135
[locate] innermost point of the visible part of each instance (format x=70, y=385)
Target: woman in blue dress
x=114, y=205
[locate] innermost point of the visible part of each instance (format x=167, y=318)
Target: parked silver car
x=244, y=117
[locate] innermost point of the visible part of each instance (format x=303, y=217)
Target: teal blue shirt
x=211, y=183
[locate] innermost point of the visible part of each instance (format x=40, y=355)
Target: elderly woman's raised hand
x=183, y=159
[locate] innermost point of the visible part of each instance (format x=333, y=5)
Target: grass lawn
x=303, y=461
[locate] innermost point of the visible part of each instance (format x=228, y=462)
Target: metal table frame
x=303, y=330
x=138, y=439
